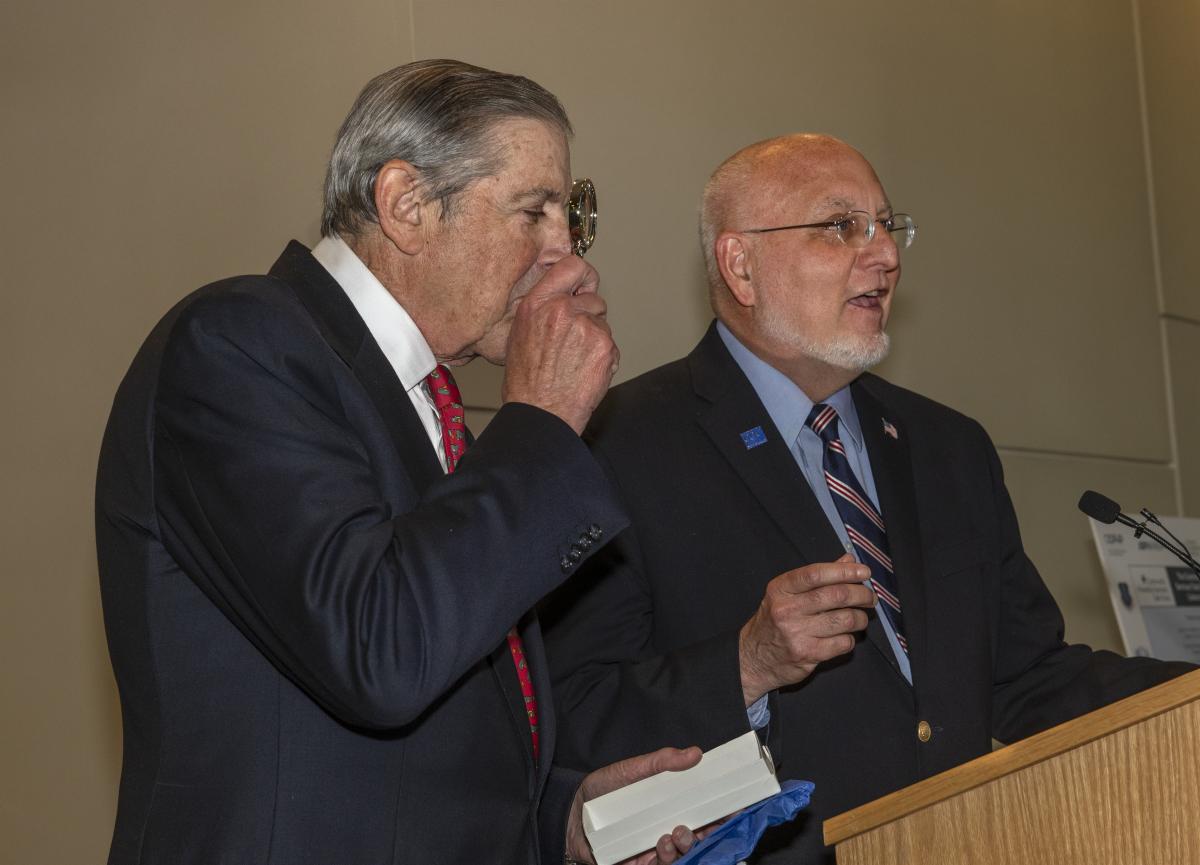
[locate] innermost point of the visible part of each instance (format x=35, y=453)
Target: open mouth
x=870, y=299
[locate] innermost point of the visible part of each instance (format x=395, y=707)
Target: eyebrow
x=842, y=206
x=540, y=195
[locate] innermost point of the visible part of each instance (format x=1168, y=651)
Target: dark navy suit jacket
x=305, y=616
x=643, y=644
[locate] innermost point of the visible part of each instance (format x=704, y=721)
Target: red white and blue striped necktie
x=448, y=401
x=864, y=524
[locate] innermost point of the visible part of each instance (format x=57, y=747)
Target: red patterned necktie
x=448, y=401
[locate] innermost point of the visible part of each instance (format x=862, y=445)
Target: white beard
x=854, y=354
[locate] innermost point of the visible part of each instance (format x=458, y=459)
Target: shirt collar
x=397, y=334
x=785, y=402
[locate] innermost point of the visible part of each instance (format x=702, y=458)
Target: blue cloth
x=789, y=407
x=734, y=840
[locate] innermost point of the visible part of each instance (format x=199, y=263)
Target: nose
x=556, y=244
x=882, y=251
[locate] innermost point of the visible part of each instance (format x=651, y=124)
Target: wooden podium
x=1120, y=786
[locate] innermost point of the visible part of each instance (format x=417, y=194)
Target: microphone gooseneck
x=1102, y=509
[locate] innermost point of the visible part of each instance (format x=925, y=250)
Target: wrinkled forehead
x=813, y=182
x=532, y=152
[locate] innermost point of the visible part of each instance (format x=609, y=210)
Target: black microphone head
x=1098, y=507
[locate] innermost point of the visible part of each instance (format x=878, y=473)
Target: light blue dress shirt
x=789, y=408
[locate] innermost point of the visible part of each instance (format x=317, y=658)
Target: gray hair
x=437, y=115
x=718, y=206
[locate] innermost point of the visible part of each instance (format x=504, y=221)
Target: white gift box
x=727, y=779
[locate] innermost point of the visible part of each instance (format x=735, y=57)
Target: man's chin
x=493, y=347
x=852, y=355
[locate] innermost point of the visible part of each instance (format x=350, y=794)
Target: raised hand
x=807, y=616
x=561, y=356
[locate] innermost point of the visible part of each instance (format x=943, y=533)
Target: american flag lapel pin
x=889, y=429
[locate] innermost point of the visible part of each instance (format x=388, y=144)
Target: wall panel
x=1171, y=57
x=1183, y=344
x=1045, y=490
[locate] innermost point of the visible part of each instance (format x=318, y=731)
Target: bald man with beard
x=814, y=552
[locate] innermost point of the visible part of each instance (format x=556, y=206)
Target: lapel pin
x=889, y=429
x=752, y=438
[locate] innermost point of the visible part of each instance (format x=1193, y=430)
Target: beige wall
x=151, y=147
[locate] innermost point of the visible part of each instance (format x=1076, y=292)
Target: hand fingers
x=683, y=838
x=571, y=275
x=810, y=577
x=671, y=847
x=841, y=621
x=662, y=760
x=643, y=766
x=592, y=304
x=589, y=283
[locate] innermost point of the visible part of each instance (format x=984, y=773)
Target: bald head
x=791, y=289
x=750, y=189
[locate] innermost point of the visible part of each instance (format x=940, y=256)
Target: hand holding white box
x=728, y=778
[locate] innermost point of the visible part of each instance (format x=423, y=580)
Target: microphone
x=1102, y=509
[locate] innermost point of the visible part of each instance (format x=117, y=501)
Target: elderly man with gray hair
x=316, y=584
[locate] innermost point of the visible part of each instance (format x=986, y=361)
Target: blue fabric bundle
x=734, y=840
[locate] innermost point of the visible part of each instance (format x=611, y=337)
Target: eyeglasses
x=857, y=228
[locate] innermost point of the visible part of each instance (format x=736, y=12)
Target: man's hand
x=669, y=847
x=561, y=355
x=807, y=616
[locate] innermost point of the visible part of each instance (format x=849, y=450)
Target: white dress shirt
x=393, y=328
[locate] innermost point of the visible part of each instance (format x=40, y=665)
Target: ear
x=734, y=261
x=400, y=206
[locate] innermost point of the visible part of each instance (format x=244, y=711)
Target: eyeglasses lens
x=856, y=229
x=903, y=230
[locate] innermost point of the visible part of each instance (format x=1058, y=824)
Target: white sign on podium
x=1156, y=597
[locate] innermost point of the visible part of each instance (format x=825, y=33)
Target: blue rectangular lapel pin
x=752, y=438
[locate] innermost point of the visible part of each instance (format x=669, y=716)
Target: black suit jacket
x=305, y=616
x=643, y=644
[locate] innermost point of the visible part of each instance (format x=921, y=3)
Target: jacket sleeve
x=615, y=694
x=553, y=812
x=267, y=497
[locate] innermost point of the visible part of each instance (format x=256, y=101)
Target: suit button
x=595, y=532
x=924, y=731
x=575, y=555
x=584, y=542
x=565, y=563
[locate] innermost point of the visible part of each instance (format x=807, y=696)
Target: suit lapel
x=771, y=473
x=768, y=469
x=891, y=466
x=347, y=334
